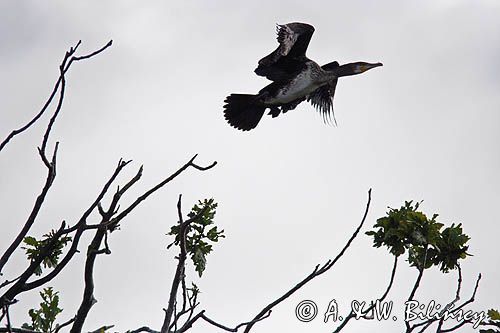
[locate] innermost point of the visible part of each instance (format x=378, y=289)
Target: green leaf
x=407, y=228
x=43, y=319
x=493, y=314
x=199, y=261
x=35, y=247
x=201, y=235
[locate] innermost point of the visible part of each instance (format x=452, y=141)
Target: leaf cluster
x=494, y=319
x=407, y=228
x=34, y=248
x=201, y=233
x=43, y=319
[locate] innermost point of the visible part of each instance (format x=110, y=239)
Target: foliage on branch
x=407, y=228
x=43, y=319
x=493, y=320
x=201, y=232
x=34, y=247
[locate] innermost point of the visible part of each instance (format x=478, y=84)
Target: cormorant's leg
x=292, y=105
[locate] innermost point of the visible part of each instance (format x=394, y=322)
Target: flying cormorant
x=295, y=78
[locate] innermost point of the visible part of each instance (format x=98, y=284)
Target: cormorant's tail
x=243, y=111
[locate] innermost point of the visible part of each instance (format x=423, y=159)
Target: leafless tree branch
x=429, y=322
x=16, y=330
x=65, y=65
x=155, y=188
x=371, y=307
x=409, y=327
x=449, y=308
x=6, y=311
x=202, y=315
x=51, y=166
x=66, y=323
x=143, y=329
x=316, y=272
x=102, y=329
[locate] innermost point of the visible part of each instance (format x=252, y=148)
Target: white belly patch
x=299, y=87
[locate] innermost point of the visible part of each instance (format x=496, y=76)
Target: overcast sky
x=425, y=126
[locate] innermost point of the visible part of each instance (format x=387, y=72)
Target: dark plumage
x=295, y=77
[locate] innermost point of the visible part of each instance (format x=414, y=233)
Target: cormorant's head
x=360, y=67
x=352, y=68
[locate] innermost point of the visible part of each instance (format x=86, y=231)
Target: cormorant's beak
x=370, y=66
x=363, y=67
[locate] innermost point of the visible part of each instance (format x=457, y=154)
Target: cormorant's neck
x=344, y=70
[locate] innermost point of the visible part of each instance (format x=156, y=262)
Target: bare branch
x=63, y=68
x=16, y=330
x=21, y=285
x=9, y=325
x=489, y=323
x=449, y=308
x=316, y=272
x=102, y=329
x=67, y=56
x=93, y=53
x=473, y=296
x=7, y=282
x=34, y=213
x=371, y=307
x=143, y=329
x=451, y=329
x=226, y=328
x=155, y=188
x=59, y=327
x=54, y=116
x=88, y=294
x=421, y=269
x=451, y=304
x=93, y=251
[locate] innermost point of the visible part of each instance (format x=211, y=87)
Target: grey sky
x=424, y=127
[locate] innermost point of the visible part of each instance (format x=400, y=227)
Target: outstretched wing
x=290, y=56
x=322, y=98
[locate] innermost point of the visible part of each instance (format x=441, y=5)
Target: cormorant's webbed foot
x=275, y=111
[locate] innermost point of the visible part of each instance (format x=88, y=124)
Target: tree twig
x=143, y=329
x=22, y=285
x=371, y=307
x=316, y=272
x=69, y=55
x=229, y=329
x=66, y=323
x=16, y=330
x=63, y=68
x=155, y=188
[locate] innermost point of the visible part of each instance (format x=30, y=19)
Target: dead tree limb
x=109, y=222
x=316, y=272
x=143, y=329
x=372, y=306
x=69, y=58
x=22, y=284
